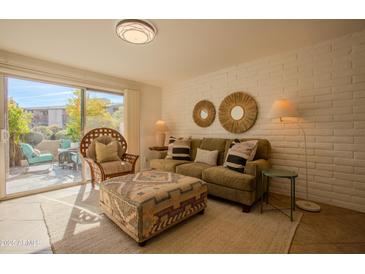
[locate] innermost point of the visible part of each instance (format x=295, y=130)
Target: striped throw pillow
x=172, y=139
x=239, y=153
x=181, y=149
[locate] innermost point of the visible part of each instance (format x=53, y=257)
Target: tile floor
x=333, y=230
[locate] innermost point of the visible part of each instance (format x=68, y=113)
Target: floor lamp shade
x=282, y=109
x=161, y=128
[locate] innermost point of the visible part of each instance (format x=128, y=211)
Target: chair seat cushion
x=225, y=177
x=166, y=164
x=192, y=169
x=114, y=167
x=43, y=157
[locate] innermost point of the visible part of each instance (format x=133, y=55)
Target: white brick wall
x=327, y=82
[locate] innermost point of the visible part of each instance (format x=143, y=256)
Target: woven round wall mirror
x=204, y=113
x=238, y=112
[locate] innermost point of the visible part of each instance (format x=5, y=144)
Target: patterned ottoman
x=146, y=203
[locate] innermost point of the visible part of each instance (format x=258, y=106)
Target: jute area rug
x=76, y=225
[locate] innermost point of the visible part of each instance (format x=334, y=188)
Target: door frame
x=3, y=122
x=4, y=145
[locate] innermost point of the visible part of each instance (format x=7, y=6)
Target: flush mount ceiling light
x=136, y=31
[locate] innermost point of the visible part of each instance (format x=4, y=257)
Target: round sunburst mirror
x=238, y=112
x=204, y=113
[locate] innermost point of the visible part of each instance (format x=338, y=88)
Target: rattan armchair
x=102, y=171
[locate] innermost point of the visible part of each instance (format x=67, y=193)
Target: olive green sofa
x=222, y=182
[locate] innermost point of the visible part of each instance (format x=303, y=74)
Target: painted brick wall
x=327, y=82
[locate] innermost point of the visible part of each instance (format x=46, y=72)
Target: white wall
x=327, y=82
x=150, y=113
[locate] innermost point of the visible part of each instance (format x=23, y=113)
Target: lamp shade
x=283, y=108
x=160, y=126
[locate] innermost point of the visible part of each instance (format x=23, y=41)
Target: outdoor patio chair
x=75, y=159
x=105, y=170
x=34, y=158
x=65, y=143
x=66, y=155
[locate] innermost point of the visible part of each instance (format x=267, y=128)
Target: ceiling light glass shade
x=136, y=31
x=283, y=109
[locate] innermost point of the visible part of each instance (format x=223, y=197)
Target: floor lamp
x=286, y=111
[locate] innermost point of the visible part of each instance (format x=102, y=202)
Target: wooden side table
x=278, y=173
x=163, y=148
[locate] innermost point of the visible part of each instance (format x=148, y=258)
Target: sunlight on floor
x=40, y=176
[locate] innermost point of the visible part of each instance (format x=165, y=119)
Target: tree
x=96, y=115
x=118, y=118
x=44, y=130
x=18, y=120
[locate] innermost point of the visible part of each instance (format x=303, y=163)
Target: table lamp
x=161, y=128
x=285, y=110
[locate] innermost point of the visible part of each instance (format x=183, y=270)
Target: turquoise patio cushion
x=44, y=157
x=65, y=143
x=27, y=150
x=75, y=158
x=32, y=157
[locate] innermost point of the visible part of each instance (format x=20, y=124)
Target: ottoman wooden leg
x=142, y=244
x=201, y=212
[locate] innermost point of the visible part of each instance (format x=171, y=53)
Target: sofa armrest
x=163, y=154
x=255, y=167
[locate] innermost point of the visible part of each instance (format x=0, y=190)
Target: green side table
x=278, y=173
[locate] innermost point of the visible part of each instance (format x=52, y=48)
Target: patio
x=35, y=177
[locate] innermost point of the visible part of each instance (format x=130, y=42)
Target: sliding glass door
x=43, y=122
x=104, y=109
x=41, y=128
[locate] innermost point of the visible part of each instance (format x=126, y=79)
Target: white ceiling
x=182, y=48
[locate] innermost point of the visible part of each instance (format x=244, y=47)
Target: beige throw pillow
x=206, y=157
x=106, y=153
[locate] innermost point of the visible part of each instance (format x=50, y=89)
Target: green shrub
x=32, y=138
x=44, y=130
x=62, y=134
x=54, y=128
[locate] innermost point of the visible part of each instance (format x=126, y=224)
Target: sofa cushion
x=104, y=139
x=181, y=149
x=195, y=144
x=166, y=164
x=263, y=148
x=215, y=144
x=171, y=142
x=206, y=157
x=192, y=169
x=106, y=153
x=239, y=154
x=225, y=177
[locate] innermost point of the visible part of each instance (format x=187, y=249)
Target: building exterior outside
x=46, y=116
x=57, y=115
